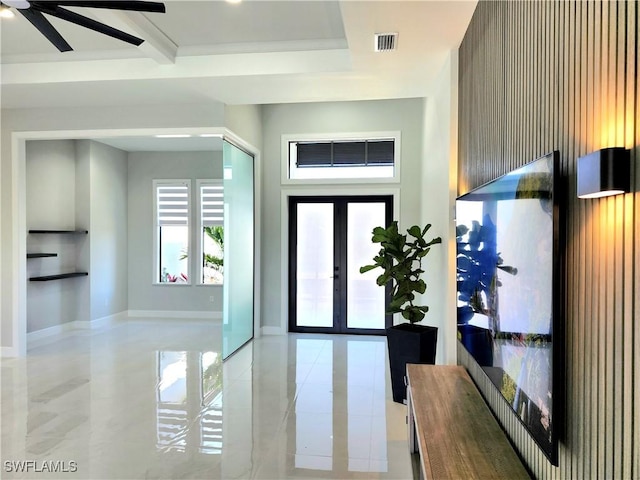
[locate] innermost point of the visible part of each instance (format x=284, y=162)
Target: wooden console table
x=453, y=430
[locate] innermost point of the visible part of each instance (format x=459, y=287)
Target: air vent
x=385, y=42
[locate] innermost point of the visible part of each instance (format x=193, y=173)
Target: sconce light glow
x=604, y=173
x=604, y=193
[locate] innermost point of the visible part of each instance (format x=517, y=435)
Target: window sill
x=340, y=181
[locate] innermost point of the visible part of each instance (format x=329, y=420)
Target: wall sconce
x=605, y=172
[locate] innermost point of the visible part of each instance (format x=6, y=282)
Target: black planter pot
x=478, y=343
x=409, y=343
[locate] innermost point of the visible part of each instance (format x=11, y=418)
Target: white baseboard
x=108, y=321
x=79, y=324
x=174, y=314
x=272, y=331
x=8, y=352
x=49, y=331
x=100, y=322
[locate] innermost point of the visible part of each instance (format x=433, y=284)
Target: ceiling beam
x=200, y=66
x=156, y=45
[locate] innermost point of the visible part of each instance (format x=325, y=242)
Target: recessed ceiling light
x=207, y=135
x=6, y=12
x=174, y=135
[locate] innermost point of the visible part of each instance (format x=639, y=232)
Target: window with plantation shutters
x=211, y=231
x=173, y=204
x=342, y=158
x=212, y=203
x=172, y=212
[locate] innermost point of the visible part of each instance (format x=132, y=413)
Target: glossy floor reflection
x=152, y=399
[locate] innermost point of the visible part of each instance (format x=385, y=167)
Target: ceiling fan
x=34, y=10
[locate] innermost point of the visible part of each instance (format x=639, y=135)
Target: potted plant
x=400, y=258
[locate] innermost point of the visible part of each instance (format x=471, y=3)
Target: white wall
x=246, y=122
x=51, y=204
x=439, y=189
x=340, y=117
x=50, y=123
x=83, y=218
x=108, y=230
x=76, y=185
x=144, y=167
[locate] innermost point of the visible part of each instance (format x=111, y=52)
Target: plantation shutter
x=345, y=153
x=349, y=153
x=380, y=152
x=212, y=206
x=314, y=154
x=173, y=204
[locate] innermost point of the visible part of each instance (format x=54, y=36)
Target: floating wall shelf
x=47, y=278
x=73, y=232
x=41, y=255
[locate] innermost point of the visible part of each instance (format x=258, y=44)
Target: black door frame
x=340, y=260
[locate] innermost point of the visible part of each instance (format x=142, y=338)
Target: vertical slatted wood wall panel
x=540, y=76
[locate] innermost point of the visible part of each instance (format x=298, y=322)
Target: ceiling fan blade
x=38, y=20
x=20, y=4
x=138, y=6
x=87, y=22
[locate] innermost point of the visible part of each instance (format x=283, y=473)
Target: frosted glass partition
x=238, y=249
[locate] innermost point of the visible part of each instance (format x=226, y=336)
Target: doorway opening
x=18, y=327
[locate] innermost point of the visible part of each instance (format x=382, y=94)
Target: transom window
x=342, y=158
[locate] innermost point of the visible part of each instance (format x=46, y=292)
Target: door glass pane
x=238, y=249
x=314, y=281
x=365, y=299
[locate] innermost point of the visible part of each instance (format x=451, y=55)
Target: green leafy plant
x=400, y=258
x=215, y=233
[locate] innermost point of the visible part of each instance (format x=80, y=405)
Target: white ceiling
x=254, y=52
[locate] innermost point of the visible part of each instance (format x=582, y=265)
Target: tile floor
x=147, y=399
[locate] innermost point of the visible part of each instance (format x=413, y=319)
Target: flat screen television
x=509, y=282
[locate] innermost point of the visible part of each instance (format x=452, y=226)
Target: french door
x=329, y=240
